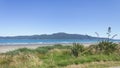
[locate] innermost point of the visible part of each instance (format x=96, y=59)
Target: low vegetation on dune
x=59, y=56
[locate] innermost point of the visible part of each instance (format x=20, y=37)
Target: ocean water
x=47, y=41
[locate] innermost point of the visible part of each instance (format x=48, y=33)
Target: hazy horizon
x=31, y=17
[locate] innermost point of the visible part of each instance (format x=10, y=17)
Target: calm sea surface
x=47, y=41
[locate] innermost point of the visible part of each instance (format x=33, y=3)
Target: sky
x=29, y=17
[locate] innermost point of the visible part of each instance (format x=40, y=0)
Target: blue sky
x=28, y=17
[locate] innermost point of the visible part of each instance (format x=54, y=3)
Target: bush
x=107, y=47
x=76, y=49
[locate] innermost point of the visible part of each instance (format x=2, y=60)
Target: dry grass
x=20, y=60
x=95, y=65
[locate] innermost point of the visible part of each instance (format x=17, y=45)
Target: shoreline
x=9, y=47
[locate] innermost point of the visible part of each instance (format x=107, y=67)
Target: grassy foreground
x=104, y=54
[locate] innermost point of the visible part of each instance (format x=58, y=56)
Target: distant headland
x=60, y=35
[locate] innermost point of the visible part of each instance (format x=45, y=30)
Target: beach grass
x=59, y=56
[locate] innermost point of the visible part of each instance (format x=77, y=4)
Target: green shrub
x=107, y=47
x=76, y=49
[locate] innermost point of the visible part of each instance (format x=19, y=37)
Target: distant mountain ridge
x=53, y=36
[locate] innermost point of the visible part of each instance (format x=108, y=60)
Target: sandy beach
x=10, y=47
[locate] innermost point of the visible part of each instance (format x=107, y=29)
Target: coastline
x=9, y=47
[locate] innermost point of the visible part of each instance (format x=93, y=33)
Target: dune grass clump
x=76, y=49
x=45, y=49
x=106, y=47
x=20, y=50
x=19, y=61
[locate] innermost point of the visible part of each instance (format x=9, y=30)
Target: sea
x=48, y=41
